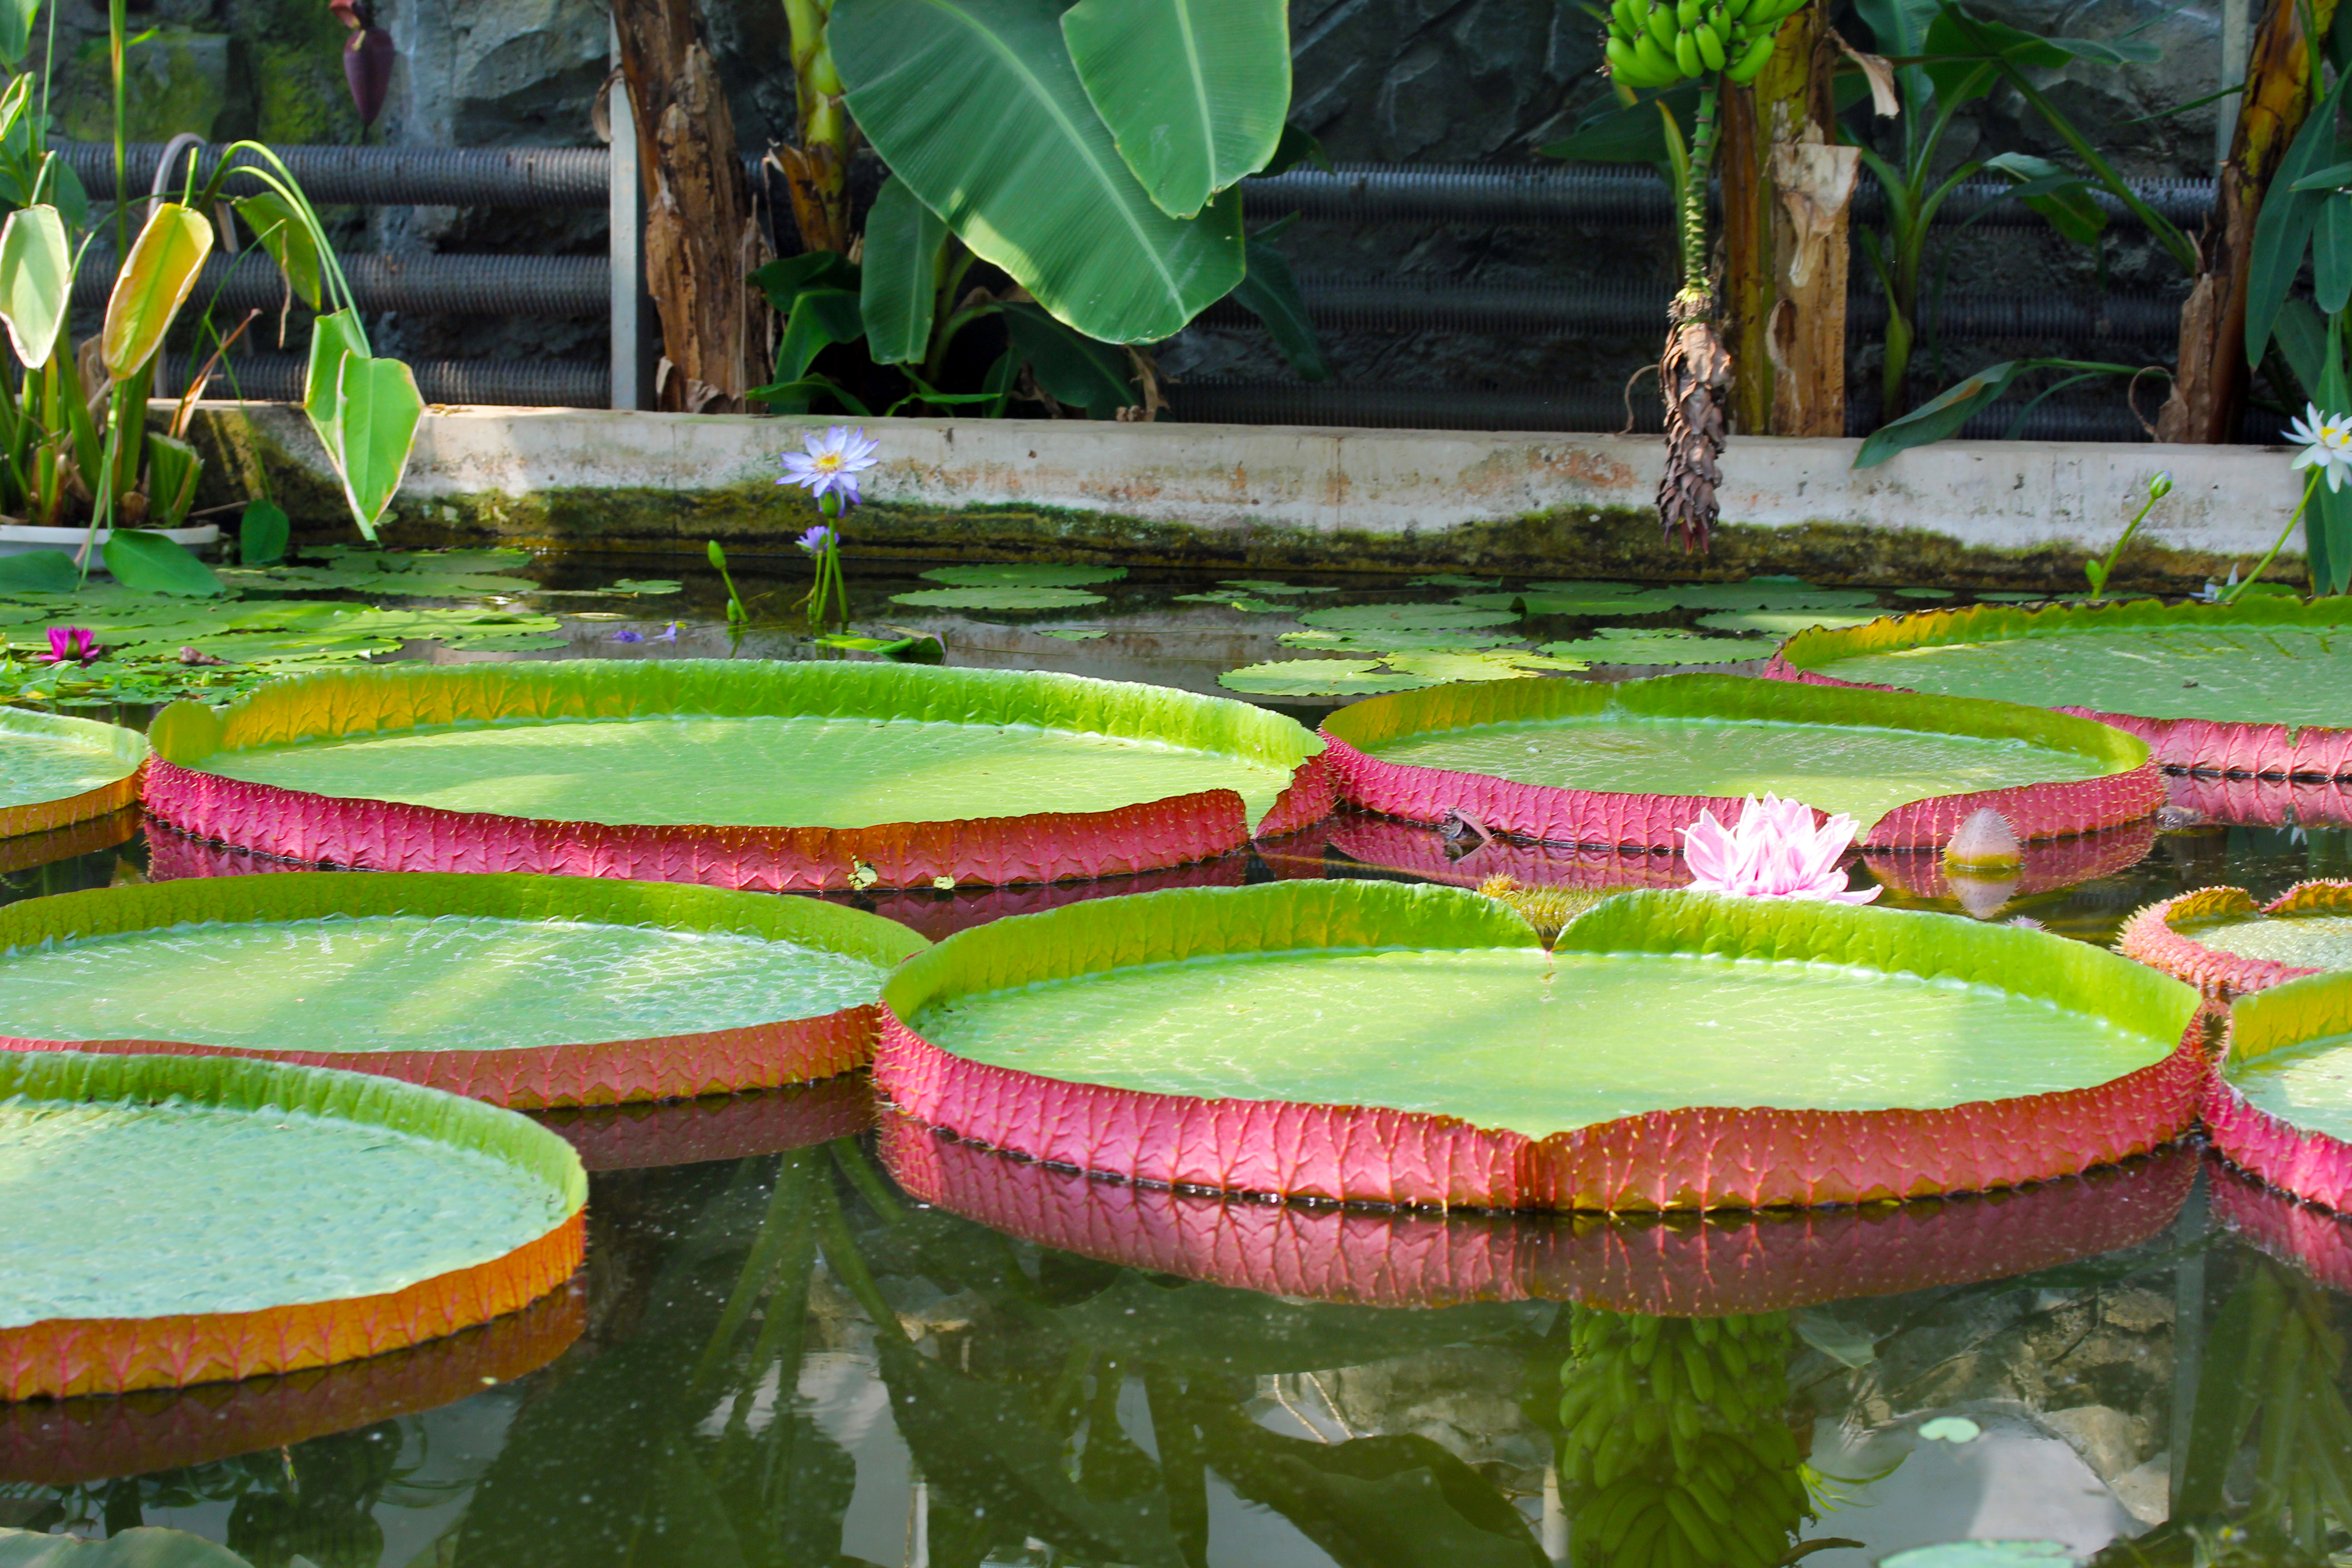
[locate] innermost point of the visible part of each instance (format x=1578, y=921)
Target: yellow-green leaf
x=35, y=281
x=333, y=339
x=153, y=284
x=279, y=230
x=375, y=426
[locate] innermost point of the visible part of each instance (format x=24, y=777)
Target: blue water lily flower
x=815, y=540
x=831, y=462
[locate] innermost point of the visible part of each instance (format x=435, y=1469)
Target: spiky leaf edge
x=2153, y=935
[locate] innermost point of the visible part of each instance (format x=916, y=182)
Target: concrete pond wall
x=2021, y=514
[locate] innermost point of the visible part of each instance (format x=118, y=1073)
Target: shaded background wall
x=1381, y=81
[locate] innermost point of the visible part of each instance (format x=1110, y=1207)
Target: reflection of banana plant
x=1673, y=1446
x=2273, y=1374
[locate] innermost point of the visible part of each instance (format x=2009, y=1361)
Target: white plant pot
x=22, y=538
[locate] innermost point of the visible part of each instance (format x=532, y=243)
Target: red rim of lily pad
x=2310, y=1164
x=1747, y=1263
x=2243, y=802
x=588, y=1072
x=66, y=1442
x=59, y=1358
x=1695, y=1158
x=2201, y=745
x=125, y=746
x=639, y=1136
x=2153, y=935
x=2128, y=786
x=1042, y=846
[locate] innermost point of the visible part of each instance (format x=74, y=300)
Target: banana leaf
x=899, y=278
x=976, y=106
x=1194, y=91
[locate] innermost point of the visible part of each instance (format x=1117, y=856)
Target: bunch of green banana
x=1657, y=43
x=1673, y=1449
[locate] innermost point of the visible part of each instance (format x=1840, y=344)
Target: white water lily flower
x=2327, y=443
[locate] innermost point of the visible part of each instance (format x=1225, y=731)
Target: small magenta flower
x=71, y=645
x=1774, y=852
x=627, y=633
x=830, y=465
x=817, y=539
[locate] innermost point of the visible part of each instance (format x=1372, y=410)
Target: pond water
x=807, y=1335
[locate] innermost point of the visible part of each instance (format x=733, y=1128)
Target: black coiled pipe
x=574, y=286
x=382, y=176
x=539, y=384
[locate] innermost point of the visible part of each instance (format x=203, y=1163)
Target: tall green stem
x=2310, y=489
x=115, y=27
x=1694, y=193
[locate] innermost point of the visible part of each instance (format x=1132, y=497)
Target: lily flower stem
x=2107, y=567
x=2311, y=488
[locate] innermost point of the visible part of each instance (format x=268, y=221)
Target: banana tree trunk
x=700, y=239
x=816, y=166
x=2210, y=391
x=1786, y=191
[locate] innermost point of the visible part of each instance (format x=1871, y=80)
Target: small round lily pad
x=1658, y=647
x=1269, y=590
x=1007, y=597
x=1024, y=574
x=1327, y=641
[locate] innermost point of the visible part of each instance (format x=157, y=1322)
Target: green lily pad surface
x=1011, y=596
x=2274, y=674
x=1318, y=678
x=1268, y=590
x=248, y=1204
x=1022, y=575
x=751, y=771
x=409, y=982
x=44, y=758
x=2300, y=941
x=1396, y=641
x=1514, y=1038
x=1405, y=617
x=1861, y=770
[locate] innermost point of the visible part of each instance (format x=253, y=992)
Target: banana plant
x=1093, y=154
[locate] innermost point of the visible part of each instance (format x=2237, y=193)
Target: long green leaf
x=154, y=282
x=2282, y=229
x=35, y=281
x=820, y=319
x=377, y=408
x=1627, y=133
x=262, y=533
x=1271, y=294
x=173, y=468
x=16, y=30
x=1941, y=415
x=900, y=277
x=333, y=339
x=1194, y=91
x=279, y=230
x=148, y=562
x=974, y=103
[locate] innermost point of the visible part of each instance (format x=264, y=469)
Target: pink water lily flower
x=71, y=645
x=1774, y=852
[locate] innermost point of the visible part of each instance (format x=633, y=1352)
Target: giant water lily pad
x=2218, y=938
x=1372, y=1041
x=55, y=771
x=288, y=1217
x=747, y=773
x=1405, y=1257
x=1016, y=573
x=2280, y=1107
x=1623, y=646
x=2260, y=687
x=1633, y=762
x=1391, y=618
x=1009, y=596
x=524, y=991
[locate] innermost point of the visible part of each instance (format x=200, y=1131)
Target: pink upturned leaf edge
x=1629, y=819
x=2151, y=935
x=1696, y=1158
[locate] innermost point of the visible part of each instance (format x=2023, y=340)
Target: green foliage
x=1005, y=596
x=1942, y=415
x=148, y=562
x=1021, y=574
x=899, y=277
x=1268, y=292
x=262, y=534
x=1193, y=92
x=35, y=281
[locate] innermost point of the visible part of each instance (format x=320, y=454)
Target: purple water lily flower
x=628, y=635
x=815, y=540
x=832, y=460
x=71, y=645
x=668, y=633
